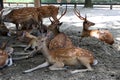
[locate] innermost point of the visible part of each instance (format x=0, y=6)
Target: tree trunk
x=59, y=1
x=88, y=4
x=1, y=5
x=37, y=3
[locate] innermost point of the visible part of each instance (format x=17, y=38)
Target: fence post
x=1, y=5
x=37, y=3
x=110, y=4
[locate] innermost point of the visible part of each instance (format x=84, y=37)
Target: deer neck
x=46, y=51
x=85, y=31
x=56, y=32
x=31, y=36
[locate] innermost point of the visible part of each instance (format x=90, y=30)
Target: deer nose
x=93, y=24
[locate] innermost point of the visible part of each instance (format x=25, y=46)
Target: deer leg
x=57, y=66
x=27, y=47
x=32, y=53
x=83, y=70
x=80, y=39
x=86, y=63
x=45, y=64
x=17, y=25
x=25, y=57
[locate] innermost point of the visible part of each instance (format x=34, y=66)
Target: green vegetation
x=55, y=1
x=18, y=0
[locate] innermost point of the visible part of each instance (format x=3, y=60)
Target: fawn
x=33, y=40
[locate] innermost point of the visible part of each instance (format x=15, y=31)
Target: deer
x=52, y=27
x=102, y=35
x=3, y=29
x=53, y=43
x=5, y=55
x=48, y=11
x=19, y=16
x=60, y=57
x=60, y=39
x=30, y=15
x=32, y=40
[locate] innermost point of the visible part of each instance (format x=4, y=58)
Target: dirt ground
x=108, y=56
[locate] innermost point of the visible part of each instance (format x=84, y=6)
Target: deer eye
x=42, y=41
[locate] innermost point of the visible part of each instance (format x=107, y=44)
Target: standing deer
x=30, y=15
x=103, y=35
x=19, y=16
x=48, y=11
x=63, y=41
x=64, y=56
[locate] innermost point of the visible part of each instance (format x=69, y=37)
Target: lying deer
x=33, y=40
x=60, y=40
x=64, y=56
x=103, y=35
x=63, y=41
x=5, y=56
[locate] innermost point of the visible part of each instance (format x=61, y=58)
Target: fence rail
x=94, y=3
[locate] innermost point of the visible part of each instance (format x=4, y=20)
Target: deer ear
x=60, y=23
x=85, y=17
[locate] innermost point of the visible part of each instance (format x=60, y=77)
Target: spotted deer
x=60, y=57
x=29, y=15
x=5, y=55
x=103, y=35
x=60, y=39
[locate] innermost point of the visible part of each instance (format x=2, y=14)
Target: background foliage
x=55, y=1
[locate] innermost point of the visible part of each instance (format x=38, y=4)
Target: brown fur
x=3, y=29
x=3, y=57
x=103, y=35
x=64, y=56
x=48, y=11
x=18, y=16
x=60, y=39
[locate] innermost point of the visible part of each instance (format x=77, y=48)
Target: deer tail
x=95, y=62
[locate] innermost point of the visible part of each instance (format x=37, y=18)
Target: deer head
x=5, y=58
x=86, y=23
x=62, y=14
x=54, y=26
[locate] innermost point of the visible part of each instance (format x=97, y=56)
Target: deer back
x=71, y=56
x=106, y=36
x=48, y=11
x=60, y=41
x=20, y=15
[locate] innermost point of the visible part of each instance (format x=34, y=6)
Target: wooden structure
x=37, y=3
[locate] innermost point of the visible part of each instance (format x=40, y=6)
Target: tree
x=1, y=5
x=37, y=3
x=88, y=3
